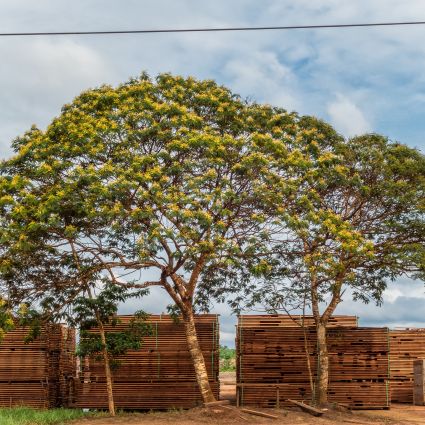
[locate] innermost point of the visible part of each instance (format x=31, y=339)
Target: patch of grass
x=27, y=416
x=227, y=359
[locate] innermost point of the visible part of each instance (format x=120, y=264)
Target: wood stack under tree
x=272, y=364
x=36, y=373
x=406, y=346
x=160, y=375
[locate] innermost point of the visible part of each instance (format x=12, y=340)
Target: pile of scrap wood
x=272, y=362
x=160, y=375
x=36, y=373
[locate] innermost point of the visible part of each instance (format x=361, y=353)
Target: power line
x=225, y=29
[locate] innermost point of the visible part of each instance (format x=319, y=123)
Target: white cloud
x=403, y=306
x=347, y=117
x=261, y=75
x=378, y=73
x=39, y=76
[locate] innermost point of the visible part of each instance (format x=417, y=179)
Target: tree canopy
x=152, y=175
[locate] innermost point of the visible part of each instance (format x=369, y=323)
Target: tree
x=47, y=289
x=357, y=220
x=160, y=175
x=93, y=313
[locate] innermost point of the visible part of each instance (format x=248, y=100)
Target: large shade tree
x=155, y=175
x=355, y=222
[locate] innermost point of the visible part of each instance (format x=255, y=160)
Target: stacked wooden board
x=160, y=375
x=272, y=362
x=62, y=365
x=406, y=346
x=285, y=320
x=35, y=374
x=419, y=382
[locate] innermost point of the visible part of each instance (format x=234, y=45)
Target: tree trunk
x=109, y=391
x=307, y=354
x=197, y=357
x=111, y=404
x=322, y=379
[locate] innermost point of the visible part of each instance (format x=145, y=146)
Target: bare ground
x=398, y=415
x=234, y=417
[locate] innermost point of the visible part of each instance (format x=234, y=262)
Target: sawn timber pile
x=160, y=375
x=294, y=320
x=406, y=346
x=36, y=373
x=272, y=363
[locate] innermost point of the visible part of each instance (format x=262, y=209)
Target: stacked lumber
x=419, y=382
x=62, y=365
x=359, y=367
x=406, y=346
x=160, y=375
x=272, y=363
x=285, y=320
x=35, y=374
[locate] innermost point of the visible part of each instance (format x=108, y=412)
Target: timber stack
x=406, y=346
x=35, y=373
x=419, y=382
x=160, y=375
x=273, y=364
x=293, y=320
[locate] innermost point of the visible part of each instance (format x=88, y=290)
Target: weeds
x=28, y=416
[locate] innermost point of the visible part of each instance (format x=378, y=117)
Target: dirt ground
x=234, y=417
x=398, y=415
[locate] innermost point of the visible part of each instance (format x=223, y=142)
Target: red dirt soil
x=221, y=416
x=399, y=414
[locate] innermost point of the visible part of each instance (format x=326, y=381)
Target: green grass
x=27, y=416
x=227, y=359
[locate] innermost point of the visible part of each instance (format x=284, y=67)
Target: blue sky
x=360, y=80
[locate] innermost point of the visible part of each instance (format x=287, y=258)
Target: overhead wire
x=217, y=29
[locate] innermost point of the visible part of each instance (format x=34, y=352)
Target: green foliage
x=158, y=174
x=117, y=343
x=356, y=220
x=89, y=311
x=28, y=416
x=6, y=318
x=227, y=359
x=344, y=214
x=19, y=317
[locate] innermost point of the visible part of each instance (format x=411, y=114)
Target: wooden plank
x=141, y=395
x=419, y=383
x=35, y=374
x=257, y=413
x=216, y=403
x=406, y=346
x=284, y=320
x=309, y=409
